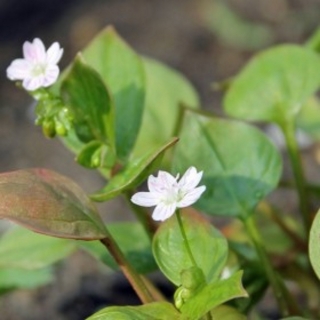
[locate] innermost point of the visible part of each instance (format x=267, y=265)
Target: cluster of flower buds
x=36, y=71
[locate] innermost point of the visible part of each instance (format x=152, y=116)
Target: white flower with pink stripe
x=38, y=68
x=167, y=193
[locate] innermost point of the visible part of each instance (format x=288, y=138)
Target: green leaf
x=213, y=295
x=96, y=154
x=86, y=95
x=294, y=318
x=274, y=84
x=21, y=248
x=11, y=278
x=133, y=242
x=224, y=312
x=122, y=71
x=314, y=245
x=234, y=30
x=309, y=117
x=49, y=203
x=151, y=311
x=314, y=41
x=256, y=284
x=241, y=166
x=133, y=174
x=166, y=90
x=172, y=257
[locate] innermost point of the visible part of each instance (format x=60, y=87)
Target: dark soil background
x=195, y=37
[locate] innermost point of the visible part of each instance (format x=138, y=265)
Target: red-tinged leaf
x=49, y=203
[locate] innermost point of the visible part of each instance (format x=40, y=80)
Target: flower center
x=173, y=195
x=38, y=70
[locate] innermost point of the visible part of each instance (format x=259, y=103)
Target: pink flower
x=168, y=194
x=39, y=67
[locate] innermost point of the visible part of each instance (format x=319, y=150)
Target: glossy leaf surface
x=132, y=240
x=294, y=318
x=170, y=252
x=49, y=203
x=274, y=84
x=225, y=312
x=166, y=89
x=123, y=73
x=314, y=244
x=21, y=248
x=133, y=174
x=213, y=295
x=309, y=118
x=152, y=311
x=86, y=95
x=12, y=278
x=241, y=166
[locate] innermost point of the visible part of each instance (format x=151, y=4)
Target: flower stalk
x=289, y=132
x=133, y=277
x=283, y=298
x=185, y=239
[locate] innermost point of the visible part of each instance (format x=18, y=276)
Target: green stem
x=187, y=245
x=143, y=216
x=283, y=298
x=289, y=132
x=131, y=274
x=185, y=239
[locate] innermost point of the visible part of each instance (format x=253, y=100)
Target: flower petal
x=166, y=180
x=145, y=199
x=190, y=179
x=35, y=51
x=51, y=75
x=191, y=197
x=32, y=83
x=156, y=186
x=163, y=212
x=19, y=69
x=54, y=53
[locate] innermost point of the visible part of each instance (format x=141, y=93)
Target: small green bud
x=178, y=300
x=48, y=128
x=192, y=278
x=60, y=129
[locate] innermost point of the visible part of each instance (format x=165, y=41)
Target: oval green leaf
x=133, y=174
x=96, y=155
x=314, y=244
x=225, y=312
x=151, y=311
x=11, y=278
x=294, y=318
x=21, y=248
x=241, y=166
x=274, y=84
x=309, y=118
x=172, y=257
x=137, y=252
x=123, y=73
x=47, y=202
x=86, y=95
x=213, y=295
x=166, y=90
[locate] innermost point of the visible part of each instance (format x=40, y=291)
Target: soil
x=178, y=33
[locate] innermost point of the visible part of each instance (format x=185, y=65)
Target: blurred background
x=206, y=40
